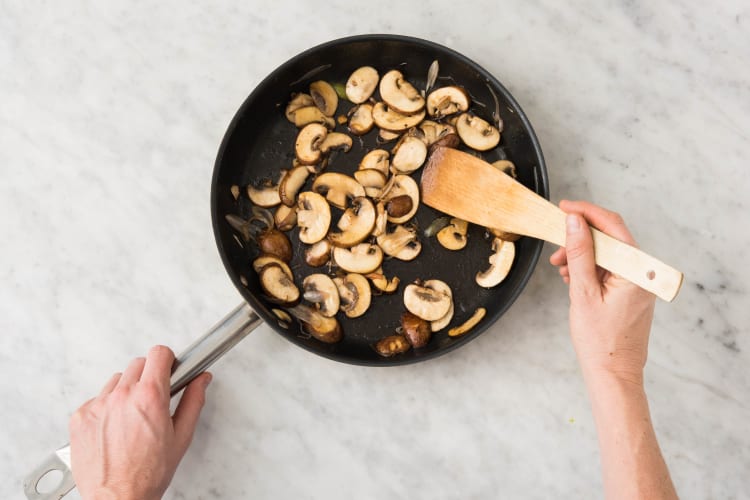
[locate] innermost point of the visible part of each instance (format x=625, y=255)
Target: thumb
x=579, y=248
x=189, y=409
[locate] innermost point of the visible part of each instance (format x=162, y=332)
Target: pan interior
x=259, y=143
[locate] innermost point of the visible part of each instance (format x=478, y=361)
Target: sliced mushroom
x=381, y=219
x=399, y=94
x=387, y=136
x=337, y=188
x=277, y=284
x=381, y=283
x=447, y=141
x=398, y=206
x=324, y=96
x=355, y=223
x=443, y=287
x=355, y=295
x=469, y=323
x=285, y=218
x=336, y=140
x=266, y=194
x=313, y=217
x=360, y=119
x=391, y=120
x=319, y=289
x=392, y=345
x=320, y=327
x=264, y=260
x=307, y=145
x=426, y=302
x=477, y=133
x=401, y=243
x=274, y=242
x=453, y=236
x=372, y=180
x=500, y=263
x=298, y=101
x=446, y=101
x=378, y=159
x=408, y=155
x=282, y=318
x=361, y=84
x=291, y=184
x=311, y=114
x=503, y=235
x=416, y=330
x=506, y=166
x=362, y=259
x=318, y=254
x=402, y=185
x=433, y=131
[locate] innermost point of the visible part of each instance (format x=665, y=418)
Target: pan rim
x=542, y=188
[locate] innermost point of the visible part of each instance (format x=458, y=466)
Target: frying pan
x=259, y=142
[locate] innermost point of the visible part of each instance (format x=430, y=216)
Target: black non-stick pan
x=259, y=143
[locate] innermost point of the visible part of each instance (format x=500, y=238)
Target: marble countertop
x=111, y=116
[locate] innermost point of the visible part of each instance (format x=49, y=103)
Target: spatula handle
x=618, y=257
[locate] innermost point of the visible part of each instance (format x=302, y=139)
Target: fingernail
x=573, y=223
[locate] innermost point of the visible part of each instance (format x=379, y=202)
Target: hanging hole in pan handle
x=53, y=479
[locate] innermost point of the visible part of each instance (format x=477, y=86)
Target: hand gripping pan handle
x=189, y=364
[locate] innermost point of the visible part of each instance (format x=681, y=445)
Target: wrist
x=605, y=379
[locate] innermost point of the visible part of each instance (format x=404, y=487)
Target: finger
x=189, y=409
x=111, y=383
x=579, y=247
x=132, y=373
x=558, y=258
x=158, y=367
x=564, y=271
x=604, y=220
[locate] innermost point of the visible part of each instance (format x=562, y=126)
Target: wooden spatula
x=467, y=187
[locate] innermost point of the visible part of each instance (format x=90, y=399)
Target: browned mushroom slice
x=426, y=302
x=398, y=206
x=469, y=323
x=378, y=159
x=285, y=218
x=318, y=254
x=266, y=194
x=313, y=217
x=381, y=283
x=372, y=180
x=500, y=263
x=392, y=345
x=402, y=243
x=355, y=223
x=322, y=291
x=307, y=145
x=311, y=114
x=355, y=295
x=298, y=101
x=336, y=140
x=291, y=184
x=446, y=101
x=476, y=132
x=453, y=236
x=506, y=166
x=400, y=185
x=363, y=258
x=264, y=260
x=408, y=155
x=338, y=188
x=416, y=330
x=360, y=120
x=399, y=94
x=320, y=327
x=361, y=84
x=393, y=121
x=381, y=219
x=442, y=287
x=385, y=136
x=277, y=284
x=324, y=96
x=274, y=242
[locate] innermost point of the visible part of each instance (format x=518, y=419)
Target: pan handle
x=191, y=362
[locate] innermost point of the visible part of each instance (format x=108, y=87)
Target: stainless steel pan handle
x=193, y=361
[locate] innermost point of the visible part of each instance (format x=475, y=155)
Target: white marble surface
x=110, y=119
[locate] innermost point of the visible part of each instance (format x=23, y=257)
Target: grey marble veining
x=110, y=119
